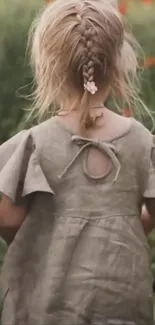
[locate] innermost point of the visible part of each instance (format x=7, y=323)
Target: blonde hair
x=81, y=45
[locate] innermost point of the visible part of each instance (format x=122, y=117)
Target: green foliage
x=143, y=26
x=152, y=245
x=16, y=17
x=3, y=249
x=141, y=18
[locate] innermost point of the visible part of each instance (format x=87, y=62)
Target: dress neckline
x=69, y=131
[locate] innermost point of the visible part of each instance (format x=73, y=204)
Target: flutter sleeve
x=20, y=170
x=149, y=191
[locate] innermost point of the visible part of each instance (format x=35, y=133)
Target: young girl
x=74, y=185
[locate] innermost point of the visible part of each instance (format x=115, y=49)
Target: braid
x=87, y=35
x=88, y=67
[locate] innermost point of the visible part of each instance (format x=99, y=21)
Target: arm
x=148, y=216
x=11, y=218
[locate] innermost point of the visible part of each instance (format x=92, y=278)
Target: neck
x=73, y=100
x=74, y=106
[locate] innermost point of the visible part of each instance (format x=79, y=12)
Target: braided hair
x=87, y=36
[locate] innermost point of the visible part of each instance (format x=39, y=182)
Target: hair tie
x=91, y=87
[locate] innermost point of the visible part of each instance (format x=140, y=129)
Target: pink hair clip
x=91, y=87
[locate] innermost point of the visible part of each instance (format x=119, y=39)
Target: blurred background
x=15, y=74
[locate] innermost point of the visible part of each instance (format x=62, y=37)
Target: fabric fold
x=150, y=187
x=13, y=159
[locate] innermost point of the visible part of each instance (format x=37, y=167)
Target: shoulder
x=20, y=170
x=140, y=143
x=45, y=131
x=49, y=137
x=125, y=127
x=40, y=134
x=8, y=148
x=133, y=127
x=136, y=144
x=141, y=135
x=43, y=134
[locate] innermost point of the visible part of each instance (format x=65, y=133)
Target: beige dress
x=81, y=256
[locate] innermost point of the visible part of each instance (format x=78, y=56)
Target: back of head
x=80, y=47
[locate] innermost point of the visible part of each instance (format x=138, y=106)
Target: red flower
x=127, y=112
x=149, y=62
x=147, y=1
x=122, y=8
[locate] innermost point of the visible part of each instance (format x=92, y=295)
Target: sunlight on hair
x=79, y=44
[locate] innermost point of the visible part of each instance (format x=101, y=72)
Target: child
x=75, y=184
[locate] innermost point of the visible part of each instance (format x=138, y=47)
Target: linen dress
x=81, y=256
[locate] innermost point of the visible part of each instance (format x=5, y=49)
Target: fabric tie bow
x=104, y=147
